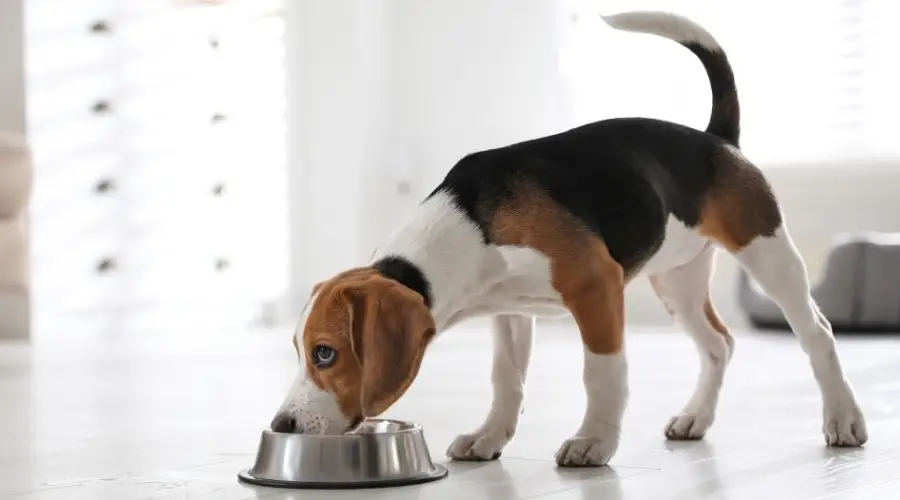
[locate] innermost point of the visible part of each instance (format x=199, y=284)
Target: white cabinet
x=158, y=136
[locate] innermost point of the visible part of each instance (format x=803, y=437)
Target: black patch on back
x=622, y=178
x=406, y=273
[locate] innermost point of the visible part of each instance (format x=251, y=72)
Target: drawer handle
x=101, y=107
x=217, y=118
x=100, y=27
x=222, y=265
x=218, y=189
x=105, y=186
x=106, y=265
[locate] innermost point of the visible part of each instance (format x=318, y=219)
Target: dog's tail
x=725, y=117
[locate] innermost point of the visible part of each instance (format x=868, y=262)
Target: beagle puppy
x=560, y=225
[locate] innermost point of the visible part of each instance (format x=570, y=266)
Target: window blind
x=817, y=79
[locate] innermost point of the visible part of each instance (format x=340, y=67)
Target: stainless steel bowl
x=377, y=453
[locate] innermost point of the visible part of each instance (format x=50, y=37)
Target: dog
x=560, y=225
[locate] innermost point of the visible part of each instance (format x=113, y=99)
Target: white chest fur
x=519, y=284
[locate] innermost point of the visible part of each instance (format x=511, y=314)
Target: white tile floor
x=177, y=415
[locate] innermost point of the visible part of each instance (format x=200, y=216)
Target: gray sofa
x=859, y=289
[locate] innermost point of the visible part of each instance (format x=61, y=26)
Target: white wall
x=12, y=84
x=386, y=93
x=384, y=96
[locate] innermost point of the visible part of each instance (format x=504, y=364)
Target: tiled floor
x=177, y=415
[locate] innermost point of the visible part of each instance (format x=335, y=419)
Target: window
x=817, y=79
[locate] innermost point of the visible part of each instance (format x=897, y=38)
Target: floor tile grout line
x=529, y=459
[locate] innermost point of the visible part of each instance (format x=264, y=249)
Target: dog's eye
x=324, y=356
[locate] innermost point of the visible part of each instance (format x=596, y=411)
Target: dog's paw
x=689, y=426
x=586, y=451
x=844, y=425
x=483, y=445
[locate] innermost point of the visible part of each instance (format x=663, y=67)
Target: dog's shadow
x=493, y=478
x=593, y=482
x=608, y=482
x=497, y=482
x=702, y=455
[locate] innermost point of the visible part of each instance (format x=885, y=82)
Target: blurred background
x=199, y=164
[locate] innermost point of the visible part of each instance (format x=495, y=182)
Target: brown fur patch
x=379, y=329
x=590, y=282
x=329, y=323
x=740, y=205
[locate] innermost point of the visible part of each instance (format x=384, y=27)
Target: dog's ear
x=391, y=327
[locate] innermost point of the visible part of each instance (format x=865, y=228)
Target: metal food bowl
x=377, y=453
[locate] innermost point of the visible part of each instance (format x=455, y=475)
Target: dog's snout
x=284, y=423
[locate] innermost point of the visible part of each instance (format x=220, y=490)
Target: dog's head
x=360, y=347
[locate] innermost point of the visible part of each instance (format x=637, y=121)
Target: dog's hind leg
x=685, y=293
x=775, y=264
x=513, y=336
x=741, y=213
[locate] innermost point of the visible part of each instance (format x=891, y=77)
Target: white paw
x=844, y=425
x=480, y=446
x=582, y=451
x=689, y=426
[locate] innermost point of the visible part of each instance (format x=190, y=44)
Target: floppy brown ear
x=391, y=328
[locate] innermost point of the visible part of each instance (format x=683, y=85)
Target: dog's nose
x=284, y=423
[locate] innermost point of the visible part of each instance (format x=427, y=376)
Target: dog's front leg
x=513, y=337
x=594, y=294
x=595, y=443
